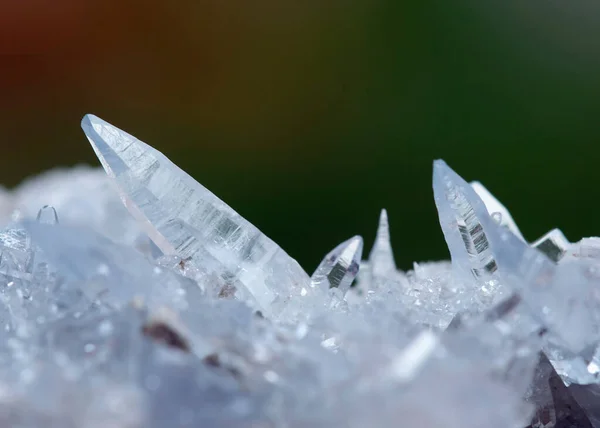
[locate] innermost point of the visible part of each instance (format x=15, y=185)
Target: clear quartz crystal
x=185, y=219
x=340, y=266
x=101, y=327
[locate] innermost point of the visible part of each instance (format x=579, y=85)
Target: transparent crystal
x=462, y=216
x=553, y=244
x=185, y=219
x=340, y=266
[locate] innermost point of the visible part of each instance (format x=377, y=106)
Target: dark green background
x=309, y=117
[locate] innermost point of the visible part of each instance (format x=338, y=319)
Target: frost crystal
x=177, y=312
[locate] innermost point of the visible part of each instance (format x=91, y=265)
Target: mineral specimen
x=178, y=312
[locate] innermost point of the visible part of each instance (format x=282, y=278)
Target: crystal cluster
x=137, y=298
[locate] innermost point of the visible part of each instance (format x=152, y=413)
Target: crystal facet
x=553, y=244
x=214, y=325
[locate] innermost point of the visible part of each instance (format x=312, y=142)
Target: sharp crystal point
x=462, y=216
x=496, y=209
x=381, y=257
x=555, y=404
x=47, y=215
x=553, y=244
x=340, y=266
x=183, y=218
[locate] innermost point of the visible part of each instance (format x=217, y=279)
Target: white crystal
x=340, y=266
x=381, y=258
x=184, y=218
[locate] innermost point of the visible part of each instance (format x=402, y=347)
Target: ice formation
x=137, y=298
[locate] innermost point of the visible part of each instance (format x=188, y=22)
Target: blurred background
x=308, y=117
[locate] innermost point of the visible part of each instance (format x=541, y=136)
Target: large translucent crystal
x=184, y=218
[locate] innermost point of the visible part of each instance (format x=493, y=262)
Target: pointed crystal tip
x=441, y=171
x=383, y=231
x=340, y=266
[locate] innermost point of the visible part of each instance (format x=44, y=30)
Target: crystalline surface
x=214, y=325
x=184, y=218
x=340, y=266
x=496, y=209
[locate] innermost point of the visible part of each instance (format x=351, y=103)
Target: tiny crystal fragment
x=340, y=266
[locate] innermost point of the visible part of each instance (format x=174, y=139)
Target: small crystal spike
x=461, y=213
x=381, y=257
x=496, y=209
x=339, y=268
x=47, y=215
x=185, y=219
x=553, y=244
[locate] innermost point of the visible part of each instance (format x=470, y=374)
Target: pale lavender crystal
x=185, y=219
x=340, y=266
